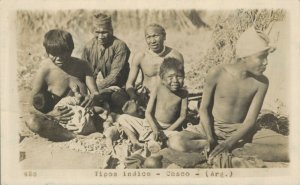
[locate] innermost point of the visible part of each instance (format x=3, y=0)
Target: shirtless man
x=232, y=99
x=166, y=109
x=149, y=61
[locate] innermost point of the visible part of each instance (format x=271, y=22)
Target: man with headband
x=149, y=63
x=108, y=57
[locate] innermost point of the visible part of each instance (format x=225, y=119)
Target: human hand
x=73, y=128
x=131, y=93
x=130, y=107
x=62, y=113
x=104, y=115
x=156, y=135
x=114, y=88
x=89, y=100
x=222, y=147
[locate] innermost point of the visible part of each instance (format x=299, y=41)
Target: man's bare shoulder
x=175, y=53
x=138, y=57
x=217, y=71
x=46, y=64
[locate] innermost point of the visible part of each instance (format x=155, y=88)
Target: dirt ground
x=91, y=151
x=87, y=152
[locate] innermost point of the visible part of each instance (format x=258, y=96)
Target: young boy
x=54, y=77
x=232, y=99
x=166, y=109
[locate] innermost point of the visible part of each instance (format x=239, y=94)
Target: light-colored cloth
x=196, y=129
x=264, y=144
x=251, y=42
x=269, y=137
x=82, y=121
x=227, y=160
x=223, y=130
x=141, y=128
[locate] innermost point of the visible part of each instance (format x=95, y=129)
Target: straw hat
x=251, y=42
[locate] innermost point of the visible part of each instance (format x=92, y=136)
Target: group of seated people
x=74, y=96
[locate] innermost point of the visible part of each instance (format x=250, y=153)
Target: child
x=166, y=109
x=83, y=121
x=232, y=99
x=55, y=75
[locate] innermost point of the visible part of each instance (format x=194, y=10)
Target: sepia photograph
x=152, y=93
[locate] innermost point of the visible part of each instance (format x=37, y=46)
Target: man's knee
x=272, y=153
x=49, y=129
x=122, y=119
x=126, y=119
x=177, y=142
x=34, y=124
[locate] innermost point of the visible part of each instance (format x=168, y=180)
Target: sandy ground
x=84, y=152
x=91, y=152
x=43, y=154
x=39, y=153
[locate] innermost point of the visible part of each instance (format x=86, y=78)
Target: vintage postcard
x=149, y=92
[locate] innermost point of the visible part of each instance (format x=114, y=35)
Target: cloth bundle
x=82, y=121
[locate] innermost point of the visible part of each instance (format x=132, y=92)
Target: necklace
x=158, y=54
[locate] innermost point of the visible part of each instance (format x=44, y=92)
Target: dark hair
x=58, y=42
x=162, y=29
x=43, y=102
x=171, y=63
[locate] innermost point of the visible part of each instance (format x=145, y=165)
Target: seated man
x=149, y=62
x=232, y=99
x=108, y=56
x=166, y=109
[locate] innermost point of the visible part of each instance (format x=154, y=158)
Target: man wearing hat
x=232, y=99
x=108, y=57
x=149, y=62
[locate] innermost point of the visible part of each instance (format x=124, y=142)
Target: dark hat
x=102, y=22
